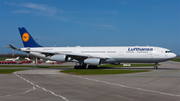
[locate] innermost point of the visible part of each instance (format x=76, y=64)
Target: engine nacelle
x=60, y=58
x=39, y=55
x=93, y=61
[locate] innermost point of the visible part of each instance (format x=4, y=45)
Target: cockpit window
x=168, y=51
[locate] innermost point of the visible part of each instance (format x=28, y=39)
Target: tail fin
x=17, y=58
x=27, y=39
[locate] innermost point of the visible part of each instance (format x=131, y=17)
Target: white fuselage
x=131, y=54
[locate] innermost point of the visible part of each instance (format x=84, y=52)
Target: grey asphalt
x=47, y=84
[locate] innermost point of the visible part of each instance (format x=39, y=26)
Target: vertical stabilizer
x=27, y=39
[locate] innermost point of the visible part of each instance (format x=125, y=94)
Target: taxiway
x=43, y=84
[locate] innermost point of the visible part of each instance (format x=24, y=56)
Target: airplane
x=27, y=59
x=50, y=62
x=12, y=59
x=91, y=57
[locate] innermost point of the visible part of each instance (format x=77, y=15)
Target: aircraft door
x=156, y=55
x=150, y=56
x=121, y=53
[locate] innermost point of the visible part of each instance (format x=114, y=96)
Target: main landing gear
x=80, y=66
x=83, y=66
x=92, y=67
x=155, y=66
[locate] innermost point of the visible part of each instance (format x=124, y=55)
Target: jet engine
x=39, y=55
x=93, y=61
x=60, y=58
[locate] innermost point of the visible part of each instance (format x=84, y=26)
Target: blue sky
x=92, y=23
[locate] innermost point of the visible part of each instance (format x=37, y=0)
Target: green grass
x=176, y=59
x=16, y=66
x=132, y=65
x=100, y=72
x=2, y=58
x=52, y=66
x=31, y=66
x=9, y=71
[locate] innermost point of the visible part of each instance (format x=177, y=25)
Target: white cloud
x=42, y=8
x=39, y=9
x=53, y=12
x=108, y=26
x=104, y=26
x=21, y=11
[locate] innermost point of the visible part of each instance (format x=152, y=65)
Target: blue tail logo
x=27, y=39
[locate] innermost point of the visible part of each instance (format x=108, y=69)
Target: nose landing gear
x=155, y=66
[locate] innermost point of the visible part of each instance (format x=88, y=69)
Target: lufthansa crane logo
x=25, y=37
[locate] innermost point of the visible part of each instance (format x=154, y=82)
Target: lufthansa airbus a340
x=91, y=57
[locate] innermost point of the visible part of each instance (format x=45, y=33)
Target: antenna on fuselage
x=54, y=44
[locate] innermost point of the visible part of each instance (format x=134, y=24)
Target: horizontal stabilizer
x=11, y=46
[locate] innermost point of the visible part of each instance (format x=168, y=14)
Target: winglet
x=27, y=39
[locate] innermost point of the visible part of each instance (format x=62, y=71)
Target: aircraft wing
x=85, y=56
x=72, y=55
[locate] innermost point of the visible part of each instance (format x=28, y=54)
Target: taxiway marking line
x=124, y=97
x=20, y=93
x=115, y=84
x=41, y=87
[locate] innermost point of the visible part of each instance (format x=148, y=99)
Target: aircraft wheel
x=84, y=66
x=155, y=67
x=89, y=66
x=76, y=67
x=80, y=67
x=92, y=67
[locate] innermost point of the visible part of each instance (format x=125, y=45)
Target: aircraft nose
x=173, y=55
